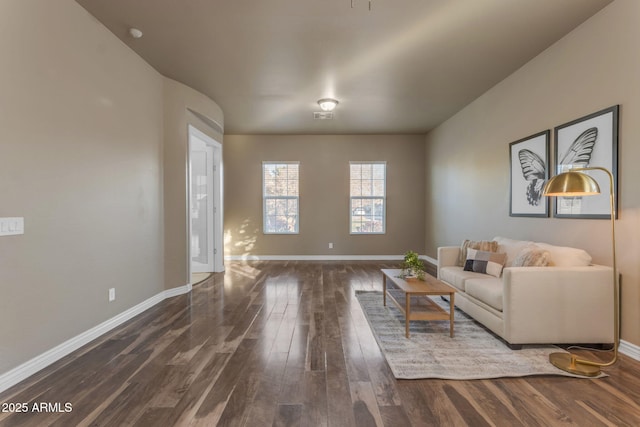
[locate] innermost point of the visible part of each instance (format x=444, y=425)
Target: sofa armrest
x=558, y=304
x=448, y=256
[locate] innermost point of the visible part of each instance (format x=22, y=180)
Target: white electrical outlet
x=112, y=294
x=330, y=245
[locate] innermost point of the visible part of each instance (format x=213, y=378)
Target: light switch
x=11, y=226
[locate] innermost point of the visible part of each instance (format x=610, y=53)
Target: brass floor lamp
x=571, y=184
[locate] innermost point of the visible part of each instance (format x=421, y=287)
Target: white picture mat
x=602, y=156
x=519, y=184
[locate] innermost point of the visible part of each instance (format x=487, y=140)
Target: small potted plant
x=413, y=266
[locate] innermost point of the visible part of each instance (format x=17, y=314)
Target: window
x=368, y=197
x=280, y=197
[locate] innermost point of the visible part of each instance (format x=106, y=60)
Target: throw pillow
x=531, y=256
x=482, y=245
x=485, y=262
x=511, y=247
x=560, y=256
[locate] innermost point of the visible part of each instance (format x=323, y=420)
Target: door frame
x=216, y=233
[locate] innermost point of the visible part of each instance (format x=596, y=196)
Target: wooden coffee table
x=420, y=307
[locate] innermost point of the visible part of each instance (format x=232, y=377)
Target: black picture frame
x=591, y=140
x=529, y=170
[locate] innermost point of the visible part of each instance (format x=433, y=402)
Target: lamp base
x=567, y=362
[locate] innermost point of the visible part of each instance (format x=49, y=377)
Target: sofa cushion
x=484, y=262
x=532, y=256
x=483, y=245
x=488, y=290
x=511, y=247
x=456, y=276
x=561, y=256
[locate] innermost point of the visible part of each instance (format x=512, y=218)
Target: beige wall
x=87, y=129
x=594, y=67
x=81, y=139
x=324, y=193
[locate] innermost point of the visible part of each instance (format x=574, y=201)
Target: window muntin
x=280, y=197
x=367, y=205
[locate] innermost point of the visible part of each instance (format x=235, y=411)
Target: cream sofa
x=570, y=301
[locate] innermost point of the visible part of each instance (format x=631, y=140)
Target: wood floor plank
x=292, y=392
x=314, y=396
x=317, y=344
x=289, y=416
x=214, y=403
x=285, y=343
x=447, y=408
x=153, y=417
x=394, y=416
x=464, y=405
x=417, y=406
x=488, y=401
x=519, y=395
x=581, y=399
x=264, y=406
x=365, y=407
x=185, y=410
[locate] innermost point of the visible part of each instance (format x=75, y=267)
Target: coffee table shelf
x=411, y=296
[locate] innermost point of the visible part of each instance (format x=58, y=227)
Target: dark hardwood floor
x=287, y=344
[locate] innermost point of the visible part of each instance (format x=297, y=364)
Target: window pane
x=280, y=206
x=379, y=171
x=269, y=187
x=293, y=171
x=367, y=188
x=356, y=171
x=356, y=188
x=292, y=188
x=269, y=171
x=270, y=207
x=378, y=187
x=366, y=171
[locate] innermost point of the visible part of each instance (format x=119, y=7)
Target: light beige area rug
x=473, y=353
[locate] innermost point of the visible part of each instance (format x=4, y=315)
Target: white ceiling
x=402, y=67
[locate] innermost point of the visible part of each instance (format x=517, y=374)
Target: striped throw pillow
x=482, y=245
x=485, y=262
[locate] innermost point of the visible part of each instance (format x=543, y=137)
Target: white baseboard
x=429, y=259
x=14, y=376
x=313, y=257
x=628, y=349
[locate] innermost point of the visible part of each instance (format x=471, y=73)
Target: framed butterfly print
x=529, y=158
x=588, y=141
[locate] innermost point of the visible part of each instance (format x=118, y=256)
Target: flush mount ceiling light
x=327, y=104
x=135, y=33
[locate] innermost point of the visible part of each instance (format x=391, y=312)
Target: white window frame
x=266, y=198
x=383, y=197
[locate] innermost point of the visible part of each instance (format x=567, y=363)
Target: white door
x=205, y=204
x=201, y=205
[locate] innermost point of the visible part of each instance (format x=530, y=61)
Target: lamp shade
x=569, y=184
